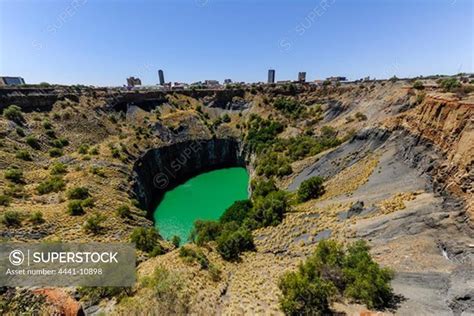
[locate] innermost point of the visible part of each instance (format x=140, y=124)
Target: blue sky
x=101, y=42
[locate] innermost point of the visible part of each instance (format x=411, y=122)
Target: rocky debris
x=356, y=209
x=63, y=302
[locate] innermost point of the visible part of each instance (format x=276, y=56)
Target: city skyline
x=215, y=40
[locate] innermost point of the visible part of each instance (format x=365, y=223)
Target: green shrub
x=269, y=210
x=157, y=250
x=60, y=143
x=58, y=168
x=78, y=193
x=262, y=187
x=33, y=142
x=13, y=113
x=87, y=202
x=289, y=106
x=231, y=243
x=11, y=219
x=97, y=171
x=83, y=149
x=23, y=155
x=311, y=188
x=20, y=132
x=237, y=212
x=262, y=133
x=205, y=231
x=331, y=270
x=360, y=116
x=94, y=223
x=94, y=151
x=449, y=84
x=176, y=241
x=5, y=200
x=145, y=238
x=37, y=218
x=53, y=184
x=366, y=281
x=47, y=125
x=14, y=174
x=418, y=85
x=74, y=208
x=191, y=255
x=55, y=152
x=123, y=211
x=274, y=164
x=226, y=118
x=50, y=133
x=166, y=287
x=305, y=293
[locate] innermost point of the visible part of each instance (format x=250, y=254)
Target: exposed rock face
x=162, y=168
x=449, y=127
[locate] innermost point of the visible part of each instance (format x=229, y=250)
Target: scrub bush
x=32, y=142
x=53, y=184
x=74, y=208
x=310, y=189
x=14, y=174
x=331, y=271
x=13, y=113
x=23, y=155
x=11, y=219
x=78, y=193
x=123, y=211
x=145, y=238
x=37, y=218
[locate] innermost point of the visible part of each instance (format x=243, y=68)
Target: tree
x=231, y=243
x=205, y=231
x=145, y=238
x=418, y=85
x=310, y=189
x=332, y=270
x=176, y=240
x=305, y=293
x=366, y=281
x=262, y=187
x=269, y=210
x=237, y=212
x=450, y=84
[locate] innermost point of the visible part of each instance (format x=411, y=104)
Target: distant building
x=271, y=76
x=283, y=81
x=132, y=82
x=302, y=76
x=227, y=81
x=336, y=79
x=162, y=77
x=11, y=81
x=211, y=83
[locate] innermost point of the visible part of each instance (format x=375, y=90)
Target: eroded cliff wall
x=160, y=169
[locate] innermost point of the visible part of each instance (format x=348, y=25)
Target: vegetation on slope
x=332, y=271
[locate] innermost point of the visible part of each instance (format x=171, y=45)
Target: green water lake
x=205, y=196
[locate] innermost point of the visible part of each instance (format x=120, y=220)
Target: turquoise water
x=205, y=196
